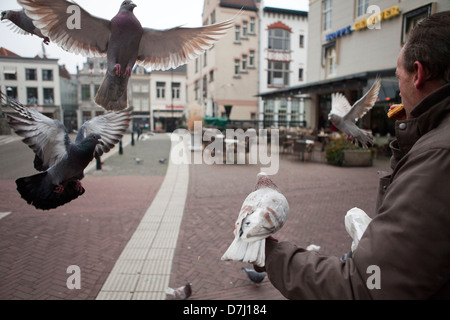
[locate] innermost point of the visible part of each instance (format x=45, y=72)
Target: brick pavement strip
x=37, y=247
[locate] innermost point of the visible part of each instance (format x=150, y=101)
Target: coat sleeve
x=407, y=244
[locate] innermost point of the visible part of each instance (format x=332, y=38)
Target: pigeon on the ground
x=263, y=213
x=344, y=116
x=181, y=293
x=162, y=161
x=22, y=24
x=60, y=161
x=138, y=160
x=123, y=40
x=254, y=276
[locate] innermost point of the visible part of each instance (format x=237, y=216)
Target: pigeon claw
x=59, y=189
x=79, y=187
x=118, y=69
x=128, y=72
x=46, y=40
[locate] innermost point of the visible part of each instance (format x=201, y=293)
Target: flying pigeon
x=254, y=276
x=22, y=24
x=123, y=40
x=60, y=161
x=344, y=116
x=181, y=293
x=263, y=213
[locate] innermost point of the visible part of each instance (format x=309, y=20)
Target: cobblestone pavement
x=37, y=247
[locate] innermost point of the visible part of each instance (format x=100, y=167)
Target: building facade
x=167, y=98
x=32, y=82
x=89, y=79
x=350, y=43
x=226, y=76
x=282, y=64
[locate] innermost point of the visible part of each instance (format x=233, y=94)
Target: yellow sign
x=373, y=19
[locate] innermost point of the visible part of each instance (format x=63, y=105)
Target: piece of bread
x=397, y=113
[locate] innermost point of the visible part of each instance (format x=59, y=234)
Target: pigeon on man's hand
x=254, y=276
x=60, y=161
x=181, y=293
x=123, y=40
x=263, y=213
x=22, y=24
x=344, y=116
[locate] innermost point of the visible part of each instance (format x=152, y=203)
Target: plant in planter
x=341, y=152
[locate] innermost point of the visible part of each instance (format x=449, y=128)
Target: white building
x=283, y=63
x=32, y=82
x=167, y=98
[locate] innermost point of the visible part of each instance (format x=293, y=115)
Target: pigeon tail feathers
x=251, y=252
x=112, y=94
x=39, y=191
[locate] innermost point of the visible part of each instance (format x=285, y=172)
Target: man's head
x=423, y=63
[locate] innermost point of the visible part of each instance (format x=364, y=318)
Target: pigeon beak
x=133, y=4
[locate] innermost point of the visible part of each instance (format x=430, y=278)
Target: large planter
x=357, y=158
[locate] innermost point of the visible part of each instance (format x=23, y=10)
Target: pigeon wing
x=53, y=18
x=111, y=127
x=14, y=28
x=166, y=49
x=46, y=137
x=340, y=105
x=363, y=105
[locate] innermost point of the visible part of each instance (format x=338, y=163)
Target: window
x=269, y=106
x=137, y=103
x=32, y=95
x=362, y=7
x=302, y=41
x=31, y=74
x=85, y=92
x=237, y=66
x=160, y=90
x=326, y=12
x=279, y=39
x=244, y=63
x=176, y=90
x=282, y=112
x=205, y=86
x=211, y=76
x=251, y=61
x=145, y=104
x=49, y=97
x=330, y=60
x=96, y=88
x=245, y=30
x=295, y=110
x=47, y=75
x=10, y=73
x=300, y=74
x=196, y=88
x=252, y=25
x=196, y=65
x=11, y=92
x=205, y=58
x=412, y=18
x=237, y=34
x=278, y=74
x=213, y=17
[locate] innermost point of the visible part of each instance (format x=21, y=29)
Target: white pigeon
x=344, y=116
x=263, y=213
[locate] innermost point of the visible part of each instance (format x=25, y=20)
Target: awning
x=353, y=81
x=9, y=70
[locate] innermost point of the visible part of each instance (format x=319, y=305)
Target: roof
x=6, y=53
x=286, y=11
x=239, y=4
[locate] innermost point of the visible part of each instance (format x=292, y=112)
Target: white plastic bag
x=356, y=222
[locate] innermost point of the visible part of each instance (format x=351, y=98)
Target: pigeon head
x=6, y=14
x=334, y=118
x=128, y=6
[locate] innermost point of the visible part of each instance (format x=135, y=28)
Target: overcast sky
x=155, y=14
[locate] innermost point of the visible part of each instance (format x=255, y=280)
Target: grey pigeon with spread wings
x=344, y=116
x=62, y=162
x=22, y=24
x=123, y=40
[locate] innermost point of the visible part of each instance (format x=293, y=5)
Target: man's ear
x=421, y=75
